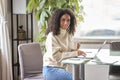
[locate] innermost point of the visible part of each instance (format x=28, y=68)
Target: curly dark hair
x=54, y=21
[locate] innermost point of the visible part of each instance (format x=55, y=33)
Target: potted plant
x=44, y=8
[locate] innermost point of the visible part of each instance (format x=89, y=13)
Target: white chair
x=31, y=60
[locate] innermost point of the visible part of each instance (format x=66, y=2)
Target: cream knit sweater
x=58, y=48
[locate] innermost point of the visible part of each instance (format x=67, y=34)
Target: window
x=101, y=20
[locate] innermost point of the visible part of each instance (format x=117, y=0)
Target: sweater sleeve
x=58, y=53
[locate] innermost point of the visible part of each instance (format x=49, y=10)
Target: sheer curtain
x=6, y=61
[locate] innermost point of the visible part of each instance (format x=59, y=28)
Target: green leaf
x=43, y=16
x=41, y=5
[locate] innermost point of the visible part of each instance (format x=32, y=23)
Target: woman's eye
x=68, y=20
x=63, y=19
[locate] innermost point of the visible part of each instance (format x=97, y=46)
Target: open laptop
x=92, y=54
x=95, y=58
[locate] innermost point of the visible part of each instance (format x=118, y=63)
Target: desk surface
x=74, y=61
x=104, y=56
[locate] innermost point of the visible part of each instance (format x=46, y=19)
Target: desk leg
x=75, y=70
x=82, y=71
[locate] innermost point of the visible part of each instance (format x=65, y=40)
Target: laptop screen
x=101, y=47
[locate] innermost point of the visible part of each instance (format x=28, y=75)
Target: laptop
x=92, y=54
x=108, y=60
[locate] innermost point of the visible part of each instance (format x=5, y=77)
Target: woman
x=60, y=45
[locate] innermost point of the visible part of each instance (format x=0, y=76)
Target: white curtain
x=6, y=62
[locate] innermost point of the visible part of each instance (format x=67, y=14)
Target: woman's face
x=65, y=21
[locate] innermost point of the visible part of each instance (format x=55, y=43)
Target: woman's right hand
x=81, y=53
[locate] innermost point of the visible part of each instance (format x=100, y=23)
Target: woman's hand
x=81, y=53
x=78, y=45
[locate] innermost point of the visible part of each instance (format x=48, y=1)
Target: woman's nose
x=66, y=22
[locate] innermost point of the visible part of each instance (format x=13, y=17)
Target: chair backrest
x=30, y=59
x=115, y=51
x=115, y=48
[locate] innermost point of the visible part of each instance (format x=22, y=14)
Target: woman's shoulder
x=50, y=35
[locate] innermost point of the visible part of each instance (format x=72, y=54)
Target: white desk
x=76, y=64
x=103, y=55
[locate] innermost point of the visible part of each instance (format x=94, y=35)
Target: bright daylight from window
x=101, y=19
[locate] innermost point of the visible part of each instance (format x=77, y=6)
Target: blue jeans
x=53, y=73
